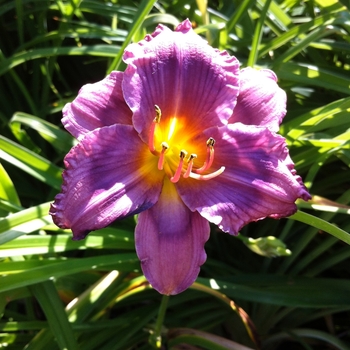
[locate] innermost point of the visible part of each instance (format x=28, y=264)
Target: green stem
x=155, y=338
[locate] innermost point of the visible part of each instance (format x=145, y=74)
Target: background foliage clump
x=278, y=285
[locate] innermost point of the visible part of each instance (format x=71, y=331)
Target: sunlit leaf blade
x=258, y=34
x=24, y=216
x=30, y=162
x=58, y=138
x=45, y=244
x=63, y=268
x=143, y=10
x=7, y=189
x=310, y=75
x=322, y=225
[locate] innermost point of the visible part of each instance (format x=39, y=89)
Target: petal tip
x=170, y=243
x=184, y=26
x=172, y=286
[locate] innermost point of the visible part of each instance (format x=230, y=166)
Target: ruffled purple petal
x=170, y=243
x=183, y=75
x=97, y=105
x=259, y=179
x=106, y=178
x=261, y=101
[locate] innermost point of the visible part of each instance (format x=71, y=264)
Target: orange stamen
x=177, y=174
x=210, y=157
x=166, y=161
x=190, y=165
x=165, y=147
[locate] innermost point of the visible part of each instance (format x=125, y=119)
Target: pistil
x=208, y=176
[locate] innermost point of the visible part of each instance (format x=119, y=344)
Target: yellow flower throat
x=170, y=145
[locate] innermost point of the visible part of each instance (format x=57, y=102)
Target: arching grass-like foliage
x=278, y=285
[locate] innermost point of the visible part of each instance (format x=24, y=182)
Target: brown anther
x=152, y=130
x=165, y=146
x=210, y=157
x=183, y=154
x=192, y=156
x=210, y=142
x=158, y=114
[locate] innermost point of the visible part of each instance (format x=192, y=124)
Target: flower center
x=170, y=146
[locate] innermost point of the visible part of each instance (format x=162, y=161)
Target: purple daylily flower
x=184, y=138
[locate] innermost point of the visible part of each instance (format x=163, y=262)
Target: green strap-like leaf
x=7, y=189
x=321, y=225
x=23, y=222
x=144, y=9
x=58, y=138
x=51, y=304
x=64, y=268
x=93, y=50
x=30, y=162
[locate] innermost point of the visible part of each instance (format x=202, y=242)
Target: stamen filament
x=190, y=165
x=152, y=130
x=207, y=176
x=177, y=174
x=161, y=159
x=210, y=157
